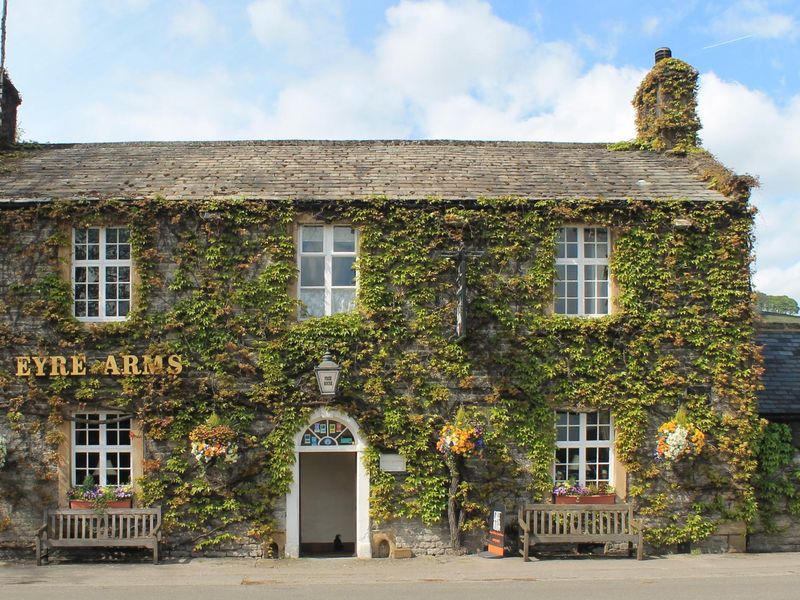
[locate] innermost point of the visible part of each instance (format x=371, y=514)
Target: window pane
x=572, y=289
x=93, y=235
x=344, y=239
x=561, y=307
x=80, y=236
x=93, y=252
x=92, y=309
x=93, y=274
x=572, y=307
x=314, y=301
x=343, y=271
x=311, y=239
x=572, y=234
x=343, y=301
x=572, y=250
x=312, y=271
x=111, y=252
x=124, y=308
x=80, y=252
x=111, y=309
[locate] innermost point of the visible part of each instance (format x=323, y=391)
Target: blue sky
x=117, y=70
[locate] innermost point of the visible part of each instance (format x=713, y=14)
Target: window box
x=595, y=499
x=125, y=503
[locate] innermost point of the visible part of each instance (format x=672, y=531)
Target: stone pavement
x=230, y=571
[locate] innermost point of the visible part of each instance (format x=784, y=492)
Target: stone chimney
x=9, y=101
x=666, y=105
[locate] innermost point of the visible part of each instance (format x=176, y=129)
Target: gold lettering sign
x=75, y=365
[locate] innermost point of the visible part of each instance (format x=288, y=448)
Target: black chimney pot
x=663, y=53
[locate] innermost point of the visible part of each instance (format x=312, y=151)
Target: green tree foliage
x=776, y=304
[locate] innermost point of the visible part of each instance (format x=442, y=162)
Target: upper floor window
x=584, y=447
x=101, y=447
x=582, y=277
x=101, y=273
x=326, y=262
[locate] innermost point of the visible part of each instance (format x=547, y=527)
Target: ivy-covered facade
x=163, y=308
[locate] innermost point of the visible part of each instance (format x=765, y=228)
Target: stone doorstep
x=731, y=528
x=736, y=534
x=402, y=553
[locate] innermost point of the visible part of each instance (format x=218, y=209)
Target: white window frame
x=580, y=262
x=329, y=254
x=101, y=263
x=582, y=444
x=102, y=448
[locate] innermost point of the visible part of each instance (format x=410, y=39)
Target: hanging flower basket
x=679, y=438
x=462, y=440
x=213, y=440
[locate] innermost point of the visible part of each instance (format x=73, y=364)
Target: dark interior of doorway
x=327, y=503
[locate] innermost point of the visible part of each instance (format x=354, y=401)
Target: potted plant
x=569, y=492
x=100, y=497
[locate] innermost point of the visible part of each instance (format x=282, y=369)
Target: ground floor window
x=584, y=447
x=101, y=447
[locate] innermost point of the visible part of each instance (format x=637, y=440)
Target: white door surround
x=363, y=544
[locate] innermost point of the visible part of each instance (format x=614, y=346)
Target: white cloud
x=171, y=107
x=753, y=17
x=651, y=25
x=779, y=281
x=750, y=133
x=307, y=32
x=53, y=26
x=194, y=19
x=436, y=49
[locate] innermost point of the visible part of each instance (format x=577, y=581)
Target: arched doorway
x=329, y=494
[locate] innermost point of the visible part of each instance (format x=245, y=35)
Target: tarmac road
x=680, y=577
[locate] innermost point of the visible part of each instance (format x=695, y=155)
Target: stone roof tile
x=331, y=170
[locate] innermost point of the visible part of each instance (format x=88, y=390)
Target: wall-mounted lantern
x=327, y=373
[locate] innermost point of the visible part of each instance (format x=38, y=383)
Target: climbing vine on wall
x=215, y=281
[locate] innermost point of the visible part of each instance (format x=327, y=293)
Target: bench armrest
x=41, y=530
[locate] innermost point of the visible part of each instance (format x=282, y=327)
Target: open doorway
x=335, y=488
x=328, y=504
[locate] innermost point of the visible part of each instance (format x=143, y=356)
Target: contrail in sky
x=739, y=39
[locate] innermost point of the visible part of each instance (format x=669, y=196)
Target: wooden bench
x=86, y=528
x=579, y=523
